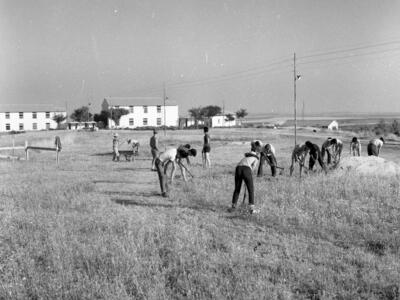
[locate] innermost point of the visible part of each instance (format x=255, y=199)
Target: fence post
x=13, y=142
x=26, y=151
x=57, y=152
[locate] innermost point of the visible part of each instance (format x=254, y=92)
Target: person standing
x=154, y=149
x=115, y=145
x=374, y=146
x=355, y=147
x=206, y=149
x=244, y=172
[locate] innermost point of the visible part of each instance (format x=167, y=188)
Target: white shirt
x=377, y=142
x=169, y=155
x=249, y=161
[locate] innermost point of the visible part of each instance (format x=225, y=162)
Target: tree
x=211, y=111
x=81, y=114
x=197, y=114
x=103, y=117
x=117, y=113
x=229, y=118
x=59, y=118
x=241, y=114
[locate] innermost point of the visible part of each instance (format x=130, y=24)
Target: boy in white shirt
x=374, y=146
x=164, y=159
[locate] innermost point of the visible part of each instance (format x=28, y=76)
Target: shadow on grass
x=125, y=193
x=166, y=204
x=122, y=153
x=120, y=181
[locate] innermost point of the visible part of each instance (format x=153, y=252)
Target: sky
x=235, y=54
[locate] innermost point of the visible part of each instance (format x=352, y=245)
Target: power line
x=349, y=56
x=349, y=49
x=280, y=65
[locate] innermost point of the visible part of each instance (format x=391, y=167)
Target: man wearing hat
x=115, y=144
x=154, y=149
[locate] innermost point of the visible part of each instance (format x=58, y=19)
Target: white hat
x=115, y=134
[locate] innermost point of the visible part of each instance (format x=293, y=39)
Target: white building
x=24, y=117
x=334, y=125
x=222, y=121
x=143, y=111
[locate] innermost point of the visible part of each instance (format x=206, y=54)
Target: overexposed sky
x=237, y=53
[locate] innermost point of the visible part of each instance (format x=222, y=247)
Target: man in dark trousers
x=205, y=153
x=244, y=172
x=315, y=155
x=267, y=155
x=154, y=149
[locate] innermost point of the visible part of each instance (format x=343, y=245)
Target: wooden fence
x=57, y=149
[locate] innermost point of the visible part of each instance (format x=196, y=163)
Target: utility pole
x=294, y=97
x=165, y=115
x=303, y=114
x=295, y=78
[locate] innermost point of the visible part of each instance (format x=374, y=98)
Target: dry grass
x=97, y=229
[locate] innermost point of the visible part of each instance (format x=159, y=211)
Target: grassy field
x=96, y=229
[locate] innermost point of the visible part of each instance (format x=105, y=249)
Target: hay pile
x=368, y=165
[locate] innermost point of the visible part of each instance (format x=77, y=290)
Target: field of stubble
x=96, y=229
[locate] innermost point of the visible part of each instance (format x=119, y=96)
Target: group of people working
x=258, y=155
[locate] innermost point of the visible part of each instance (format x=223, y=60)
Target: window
x=131, y=122
x=145, y=109
x=47, y=115
x=158, y=108
x=21, y=126
x=131, y=109
x=158, y=121
x=34, y=115
x=144, y=121
x=34, y=126
x=8, y=127
x=47, y=125
x=7, y=115
x=21, y=115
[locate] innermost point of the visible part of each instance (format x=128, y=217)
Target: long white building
x=143, y=111
x=24, y=117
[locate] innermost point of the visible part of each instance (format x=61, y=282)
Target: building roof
x=138, y=101
x=31, y=108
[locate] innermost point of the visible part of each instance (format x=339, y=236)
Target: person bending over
x=171, y=156
x=327, y=148
x=244, y=172
x=355, y=147
x=299, y=155
x=315, y=155
x=256, y=146
x=268, y=155
x=374, y=146
x=337, y=148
